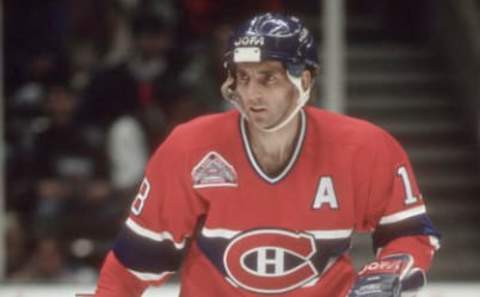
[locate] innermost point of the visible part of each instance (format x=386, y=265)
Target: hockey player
x=264, y=200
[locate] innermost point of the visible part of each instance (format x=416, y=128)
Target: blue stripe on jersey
x=418, y=225
x=213, y=248
x=328, y=249
x=145, y=255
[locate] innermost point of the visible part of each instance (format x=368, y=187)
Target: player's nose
x=253, y=93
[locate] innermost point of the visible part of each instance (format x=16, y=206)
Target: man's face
x=266, y=93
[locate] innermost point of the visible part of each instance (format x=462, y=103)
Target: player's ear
x=306, y=79
x=228, y=87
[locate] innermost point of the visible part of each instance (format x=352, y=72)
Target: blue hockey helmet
x=272, y=36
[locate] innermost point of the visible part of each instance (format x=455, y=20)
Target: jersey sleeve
x=163, y=215
x=393, y=207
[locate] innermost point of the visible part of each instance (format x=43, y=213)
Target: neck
x=273, y=149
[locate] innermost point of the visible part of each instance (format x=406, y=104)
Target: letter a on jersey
x=325, y=194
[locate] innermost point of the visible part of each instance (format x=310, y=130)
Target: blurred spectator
x=16, y=239
x=128, y=151
x=205, y=71
x=145, y=86
x=72, y=174
x=127, y=87
x=201, y=17
x=35, y=56
x=94, y=22
x=48, y=264
x=168, y=10
x=35, y=34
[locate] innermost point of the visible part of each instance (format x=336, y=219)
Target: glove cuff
x=395, y=264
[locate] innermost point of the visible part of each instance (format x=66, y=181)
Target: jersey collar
x=293, y=158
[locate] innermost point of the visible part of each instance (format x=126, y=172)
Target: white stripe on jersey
x=144, y=276
x=331, y=234
x=152, y=235
x=402, y=215
x=318, y=234
x=224, y=233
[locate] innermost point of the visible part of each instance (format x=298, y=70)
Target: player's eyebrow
x=267, y=72
x=262, y=73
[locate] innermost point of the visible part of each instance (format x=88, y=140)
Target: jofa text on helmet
x=249, y=41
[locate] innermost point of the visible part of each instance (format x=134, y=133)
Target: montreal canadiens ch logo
x=270, y=261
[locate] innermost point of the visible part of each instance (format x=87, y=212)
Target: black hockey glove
x=383, y=278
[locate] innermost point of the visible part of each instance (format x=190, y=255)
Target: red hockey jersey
x=205, y=203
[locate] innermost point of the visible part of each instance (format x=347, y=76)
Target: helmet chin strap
x=301, y=101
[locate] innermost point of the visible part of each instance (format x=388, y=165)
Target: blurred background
x=91, y=88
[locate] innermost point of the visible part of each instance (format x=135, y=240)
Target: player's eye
x=242, y=79
x=270, y=79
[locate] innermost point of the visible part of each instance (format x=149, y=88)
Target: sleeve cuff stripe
x=156, y=236
x=144, y=276
x=402, y=215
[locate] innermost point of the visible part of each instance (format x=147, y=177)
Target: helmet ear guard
x=295, y=70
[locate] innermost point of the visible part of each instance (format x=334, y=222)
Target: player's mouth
x=257, y=109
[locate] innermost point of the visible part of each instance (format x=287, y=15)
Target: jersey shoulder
x=203, y=131
x=190, y=141
x=345, y=130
